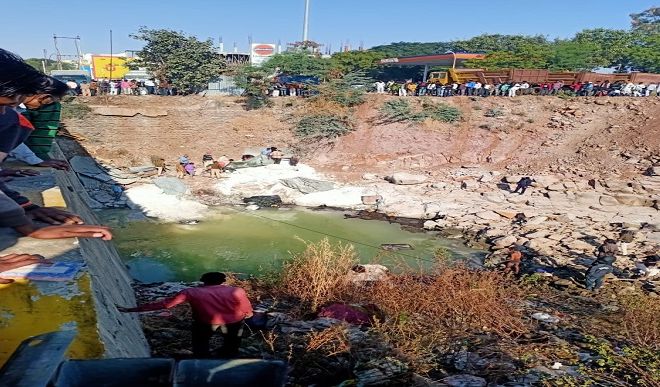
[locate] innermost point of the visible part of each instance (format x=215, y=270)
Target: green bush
x=323, y=126
x=399, y=110
x=347, y=91
x=494, y=112
x=441, y=112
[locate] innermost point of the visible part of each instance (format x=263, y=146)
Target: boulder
x=369, y=176
x=306, y=185
x=488, y=215
x=578, y=244
x=506, y=214
x=513, y=179
x=504, y=241
x=493, y=197
x=432, y=210
x=606, y=200
x=430, y=225
x=470, y=184
x=464, y=381
x=633, y=200
x=404, y=178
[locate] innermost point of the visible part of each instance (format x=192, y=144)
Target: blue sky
x=373, y=22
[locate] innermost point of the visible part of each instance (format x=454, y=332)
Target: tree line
x=189, y=63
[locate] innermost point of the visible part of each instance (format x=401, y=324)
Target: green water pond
x=258, y=241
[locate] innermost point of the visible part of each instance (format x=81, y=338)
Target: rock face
x=306, y=185
x=404, y=178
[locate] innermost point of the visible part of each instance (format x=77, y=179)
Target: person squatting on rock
x=215, y=308
x=513, y=264
x=606, y=256
x=523, y=184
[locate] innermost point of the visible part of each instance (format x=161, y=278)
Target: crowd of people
x=151, y=86
x=513, y=89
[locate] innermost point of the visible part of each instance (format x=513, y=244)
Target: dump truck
x=535, y=76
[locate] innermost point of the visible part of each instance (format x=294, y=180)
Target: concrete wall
x=120, y=333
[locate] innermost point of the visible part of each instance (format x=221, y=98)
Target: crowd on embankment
x=513, y=89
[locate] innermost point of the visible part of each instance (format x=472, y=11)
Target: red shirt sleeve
x=167, y=303
x=244, y=305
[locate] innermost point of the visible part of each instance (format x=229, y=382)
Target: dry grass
x=329, y=342
x=318, y=275
x=424, y=315
x=641, y=321
x=427, y=314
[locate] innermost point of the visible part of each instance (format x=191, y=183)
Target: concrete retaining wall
x=120, y=333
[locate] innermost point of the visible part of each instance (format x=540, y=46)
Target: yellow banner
x=103, y=69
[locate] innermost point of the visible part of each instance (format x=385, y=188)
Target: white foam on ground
x=155, y=203
x=263, y=177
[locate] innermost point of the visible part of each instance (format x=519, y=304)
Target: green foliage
x=494, y=112
x=354, y=61
x=299, y=63
x=576, y=56
x=441, y=112
x=347, y=91
x=255, y=82
x=399, y=110
x=186, y=62
x=647, y=21
x=320, y=126
x=50, y=64
x=645, y=53
x=612, y=46
x=627, y=365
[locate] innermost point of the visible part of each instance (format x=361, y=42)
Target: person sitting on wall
x=215, y=308
x=276, y=155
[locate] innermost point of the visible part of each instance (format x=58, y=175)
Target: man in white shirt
x=651, y=88
x=477, y=88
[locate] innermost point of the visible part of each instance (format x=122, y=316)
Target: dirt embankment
x=581, y=136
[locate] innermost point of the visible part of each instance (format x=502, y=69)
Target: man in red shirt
x=215, y=307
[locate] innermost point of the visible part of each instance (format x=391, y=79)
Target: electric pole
x=306, y=21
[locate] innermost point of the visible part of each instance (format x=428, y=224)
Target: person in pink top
x=125, y=86
x=215, y=307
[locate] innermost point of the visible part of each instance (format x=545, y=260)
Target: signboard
x=261, y=52
x=102, y=67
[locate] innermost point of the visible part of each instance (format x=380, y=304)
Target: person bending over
x=215, y=308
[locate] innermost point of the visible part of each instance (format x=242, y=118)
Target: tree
x=612, y=45
x=299, y=63
x=570, y=55
x=186, y=62
x=645, y=53
x=497, y=42
x=647, y=21
x=50, y=64
x=526, y=55
x=352, y=61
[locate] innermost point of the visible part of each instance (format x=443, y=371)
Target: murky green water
x=250, y=242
